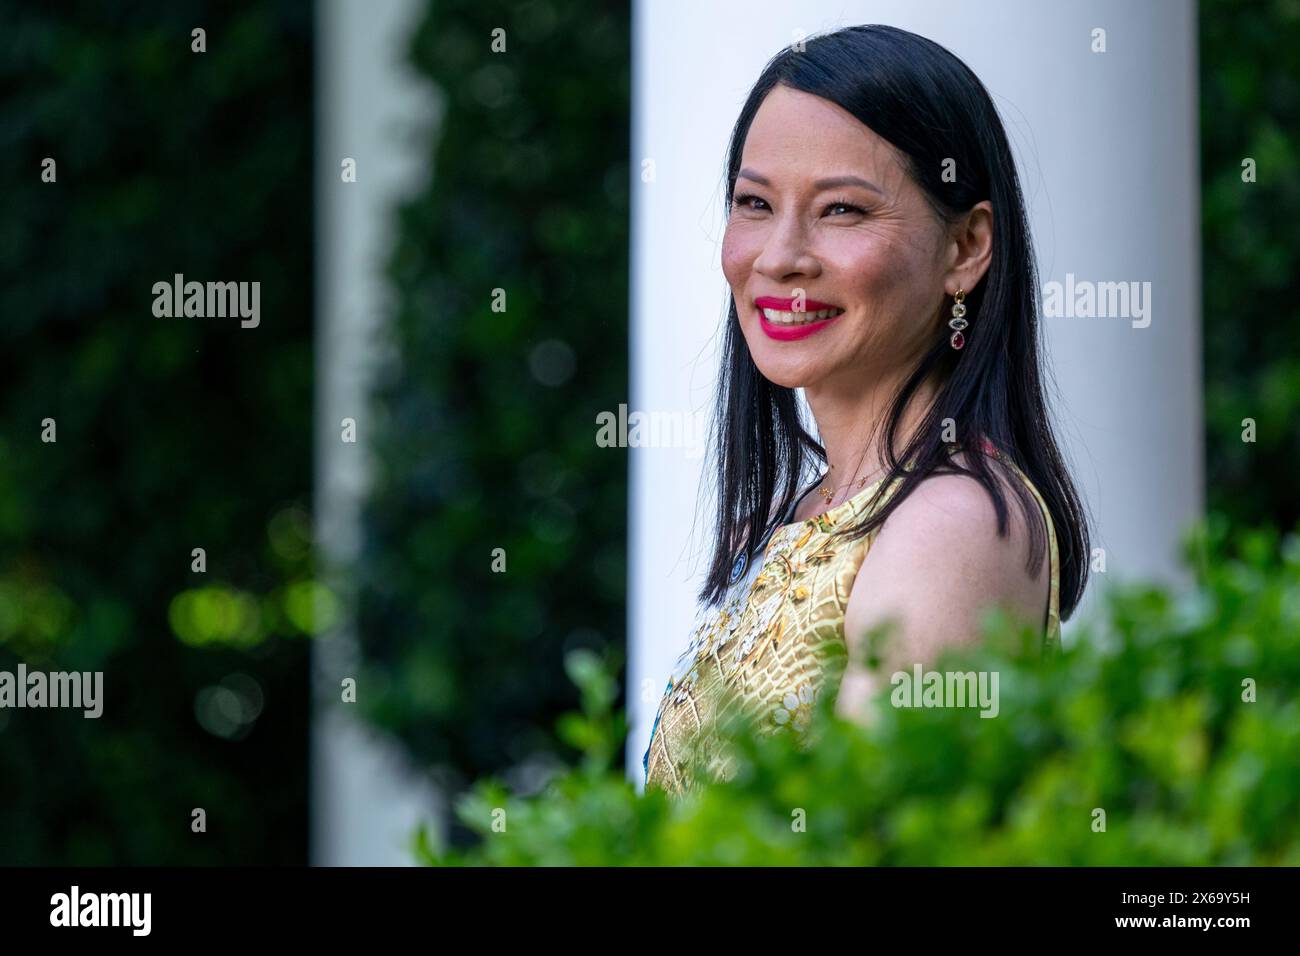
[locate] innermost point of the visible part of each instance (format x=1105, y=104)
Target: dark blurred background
x=1250, y=258
x=488, y=437
x=172, y=434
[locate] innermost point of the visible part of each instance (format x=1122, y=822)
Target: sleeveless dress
x=776, y=641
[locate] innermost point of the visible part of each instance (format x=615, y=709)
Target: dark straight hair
x=929, y=105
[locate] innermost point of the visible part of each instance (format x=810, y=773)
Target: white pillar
x=1107, y=146
x=365, y=800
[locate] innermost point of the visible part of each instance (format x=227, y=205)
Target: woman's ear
x=971, y=248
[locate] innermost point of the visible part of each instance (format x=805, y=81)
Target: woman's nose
x=786, y=253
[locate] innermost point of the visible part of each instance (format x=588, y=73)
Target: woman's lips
x=781, y=319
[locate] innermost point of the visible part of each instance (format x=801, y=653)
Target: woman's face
x=824, y=207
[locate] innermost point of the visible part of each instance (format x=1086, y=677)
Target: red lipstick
x=785, y=332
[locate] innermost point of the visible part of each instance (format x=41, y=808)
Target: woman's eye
x=752, y=202
x=848, y=208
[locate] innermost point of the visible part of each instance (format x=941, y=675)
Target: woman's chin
x=786, y=373
x=790, y=364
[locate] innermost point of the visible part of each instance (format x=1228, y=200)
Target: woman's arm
x=937, y=563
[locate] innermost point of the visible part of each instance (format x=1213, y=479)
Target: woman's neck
x=851, y=425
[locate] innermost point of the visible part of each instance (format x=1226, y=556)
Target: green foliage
x=172, y=434
x=1146, y=716
x=1250, y=108
x=485, y=425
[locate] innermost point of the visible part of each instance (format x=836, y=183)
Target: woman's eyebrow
x=831, y=182
x=835, y=182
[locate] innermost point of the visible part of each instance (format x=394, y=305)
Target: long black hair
x=927, y=103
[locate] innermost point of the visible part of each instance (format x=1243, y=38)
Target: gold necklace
x=829, y=493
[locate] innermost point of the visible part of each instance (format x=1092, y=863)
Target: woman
x=879, y=258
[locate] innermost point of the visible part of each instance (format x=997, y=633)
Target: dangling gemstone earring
x=958, y=322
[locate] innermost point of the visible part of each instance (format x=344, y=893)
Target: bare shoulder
x=948, y=516
x=938, y=562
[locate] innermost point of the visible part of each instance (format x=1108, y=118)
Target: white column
x=1107, y=146
x=365, y=799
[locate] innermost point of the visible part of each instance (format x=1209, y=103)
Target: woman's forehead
x=798, y=135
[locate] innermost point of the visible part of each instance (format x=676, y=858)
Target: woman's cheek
x=737, y=256
x=876, y=269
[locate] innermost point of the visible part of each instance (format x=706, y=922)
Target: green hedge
x=1144, y=717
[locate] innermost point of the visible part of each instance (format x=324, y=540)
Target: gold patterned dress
x=776, y=641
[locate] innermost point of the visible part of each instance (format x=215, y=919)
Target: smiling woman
x=878, y=257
